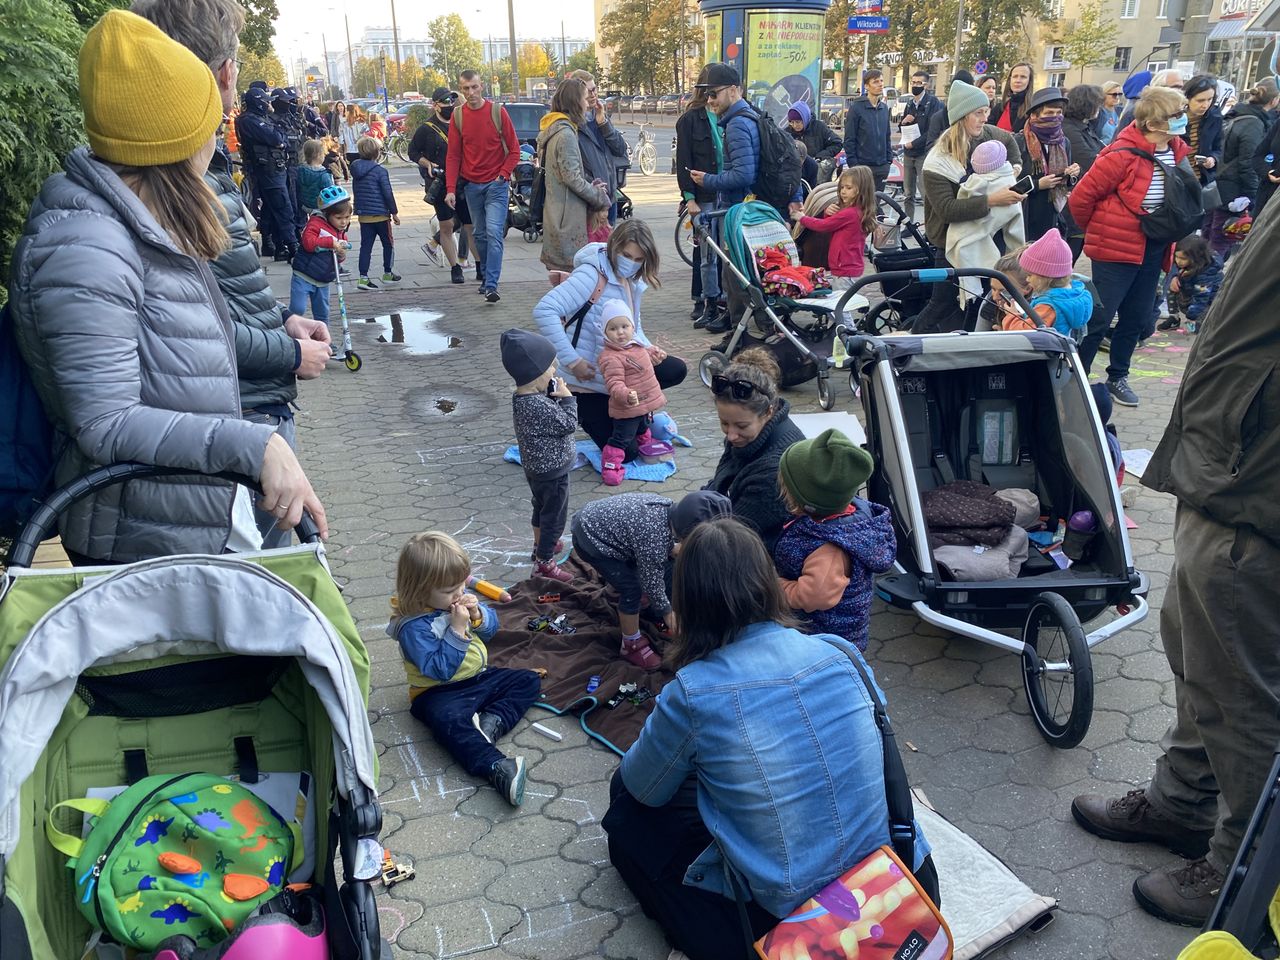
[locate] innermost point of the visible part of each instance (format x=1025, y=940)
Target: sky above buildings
x=302, y=22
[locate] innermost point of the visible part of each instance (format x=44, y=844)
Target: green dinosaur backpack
x=193, y=854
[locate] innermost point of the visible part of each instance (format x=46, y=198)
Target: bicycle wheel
x=684, y=237
x=648, y=159
x=400, y=145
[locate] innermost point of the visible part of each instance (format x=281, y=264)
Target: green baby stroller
x=245, y=667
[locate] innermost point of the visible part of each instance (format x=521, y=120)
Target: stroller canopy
x=177, y=605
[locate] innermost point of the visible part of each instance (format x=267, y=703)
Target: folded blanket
x=965, y=513
x=979, y=563
x=589, y=453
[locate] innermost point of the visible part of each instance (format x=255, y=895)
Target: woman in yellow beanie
x=119, y=317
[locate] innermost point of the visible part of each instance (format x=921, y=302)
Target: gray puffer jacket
x=265, y=354
x=129, y=346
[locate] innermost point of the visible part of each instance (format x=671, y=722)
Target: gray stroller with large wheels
x=978, y=414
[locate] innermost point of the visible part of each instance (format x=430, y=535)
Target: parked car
x=670, y=103
x=831, y=110
x=899, y=108
x=637, y=104
x=611, y=104
x=525, y=117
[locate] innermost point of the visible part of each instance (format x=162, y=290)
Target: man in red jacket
x=483, y=151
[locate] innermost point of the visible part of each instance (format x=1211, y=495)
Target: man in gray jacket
x=602, y=147
x=273, y=346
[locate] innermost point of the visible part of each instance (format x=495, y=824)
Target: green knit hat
x=822, y=475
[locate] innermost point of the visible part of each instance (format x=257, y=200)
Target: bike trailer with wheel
x=791, y=327
x=1001, y=413
x=243, y=667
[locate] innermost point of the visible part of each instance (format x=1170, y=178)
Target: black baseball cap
x=720, y=75
x=443, y=95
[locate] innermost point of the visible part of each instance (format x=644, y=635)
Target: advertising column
x=783, y=60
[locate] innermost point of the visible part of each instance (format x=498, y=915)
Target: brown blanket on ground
x=572, y=659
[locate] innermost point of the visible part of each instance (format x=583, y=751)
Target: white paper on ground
x=812, y=424
x=1135, y=461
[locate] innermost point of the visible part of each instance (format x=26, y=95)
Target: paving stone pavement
x=414, y=442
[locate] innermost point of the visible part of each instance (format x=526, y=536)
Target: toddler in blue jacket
x=442, y=631
x=376, y=209
x=829, y=555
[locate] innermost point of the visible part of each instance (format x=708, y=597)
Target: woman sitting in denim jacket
x=762, y=750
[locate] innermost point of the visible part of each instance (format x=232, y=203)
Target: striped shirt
x=1155, y=192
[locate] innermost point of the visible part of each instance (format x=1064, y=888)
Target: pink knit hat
x=988, y=156
x=1049, y=256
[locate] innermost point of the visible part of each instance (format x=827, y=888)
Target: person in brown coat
x=570, y=195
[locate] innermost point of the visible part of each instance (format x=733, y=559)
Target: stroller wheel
x=1057, y=671
x=530, y=235
x=353, y=361
x=885, y=317
x=854, y=386
x=712, y=363
x=826, y=396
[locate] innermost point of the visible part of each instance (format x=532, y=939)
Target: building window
x=1058, y=80
x=1054, y=57
x=1123, y=56
x=1128, y=9
x=1155, y=66
x=1056, y=9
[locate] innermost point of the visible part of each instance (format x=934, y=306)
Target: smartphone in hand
x=1025, y=185
x=552, y=387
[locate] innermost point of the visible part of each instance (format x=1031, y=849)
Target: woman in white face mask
x=1124, y=185
x=621, y=269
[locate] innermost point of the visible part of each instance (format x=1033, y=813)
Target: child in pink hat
x=1060, y=300
x=975, y=243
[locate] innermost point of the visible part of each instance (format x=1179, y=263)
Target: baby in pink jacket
x=634, y=395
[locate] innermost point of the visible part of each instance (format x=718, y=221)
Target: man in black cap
x=428, y=149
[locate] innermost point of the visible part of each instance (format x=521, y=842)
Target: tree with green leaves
x=86, y=12
x=411, y=74
x=552, y=50
x=996, y=31
x=368, y=76
x=256, y=67
x=585, y=59
x=532, y=61
x=40, y=118
x=259, y=26
x=1090, y=39
x=646, y=38
x=453, y=47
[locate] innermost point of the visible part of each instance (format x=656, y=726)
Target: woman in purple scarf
x=1047, y=160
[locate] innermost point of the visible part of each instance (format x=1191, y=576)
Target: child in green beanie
x=827, y=557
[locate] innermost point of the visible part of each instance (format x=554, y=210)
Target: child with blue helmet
x=314, y=266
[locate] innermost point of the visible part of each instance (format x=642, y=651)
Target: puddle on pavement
x=413, y=328
x=445, y=405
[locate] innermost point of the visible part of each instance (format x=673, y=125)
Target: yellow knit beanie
x=147, y=99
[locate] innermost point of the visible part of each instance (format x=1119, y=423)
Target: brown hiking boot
x=1132, y=819
x=1181, y=892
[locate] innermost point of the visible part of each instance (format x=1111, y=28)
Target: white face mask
x=626, y=267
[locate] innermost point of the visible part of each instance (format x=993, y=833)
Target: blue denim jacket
x=780, y=732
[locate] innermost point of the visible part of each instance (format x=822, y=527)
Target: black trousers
x=593, y=408
x=943, y=313
x=652, y=848
x=549, y=498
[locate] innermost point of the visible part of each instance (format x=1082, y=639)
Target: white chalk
x=547, y=732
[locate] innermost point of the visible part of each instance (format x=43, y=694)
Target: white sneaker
x=432, y=250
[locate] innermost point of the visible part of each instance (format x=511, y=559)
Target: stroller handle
x=886, y=200
x=938, y=275
x=46, y=515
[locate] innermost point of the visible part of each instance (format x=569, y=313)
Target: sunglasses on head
x=738, y=389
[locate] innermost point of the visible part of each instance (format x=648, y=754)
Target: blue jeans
x=1127, y=292
x=285, y=426
x=488, y=205
x=447, y=708
x=302, y=292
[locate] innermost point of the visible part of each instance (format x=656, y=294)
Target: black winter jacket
x=1209, y=144
x=430, y=140
x=923, y=112
x=1084, y=142
x=1244, y=130
x=695, y=150
x=1038, y=212
x=749, y=476
x=818, y=139
x=866, y=134
x=266, y=355
x=1270, y=147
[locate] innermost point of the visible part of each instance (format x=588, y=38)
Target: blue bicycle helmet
x=331, y=195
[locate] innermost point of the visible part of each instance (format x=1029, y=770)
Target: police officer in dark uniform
x=265, y=150
x=287, y=117
x=314, y=123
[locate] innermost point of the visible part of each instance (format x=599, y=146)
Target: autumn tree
x=368, y=76
x=256, y=67
x=532, y=61
x=585, y=59
x=646, y=37
x=453, y=47
x=259, y=26
x=1089, y=40
x=410, y=74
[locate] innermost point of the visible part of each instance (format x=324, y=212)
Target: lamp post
x=515, y=68
x=395, y=41
x=351, y=67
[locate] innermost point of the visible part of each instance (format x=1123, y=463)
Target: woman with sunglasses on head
x=767, y=731
x=757, y=430
x=1123, y=185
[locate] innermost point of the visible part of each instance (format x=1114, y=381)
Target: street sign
x=980, y=66
x=382, y=91
x=865, y=7
x=868, y=24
